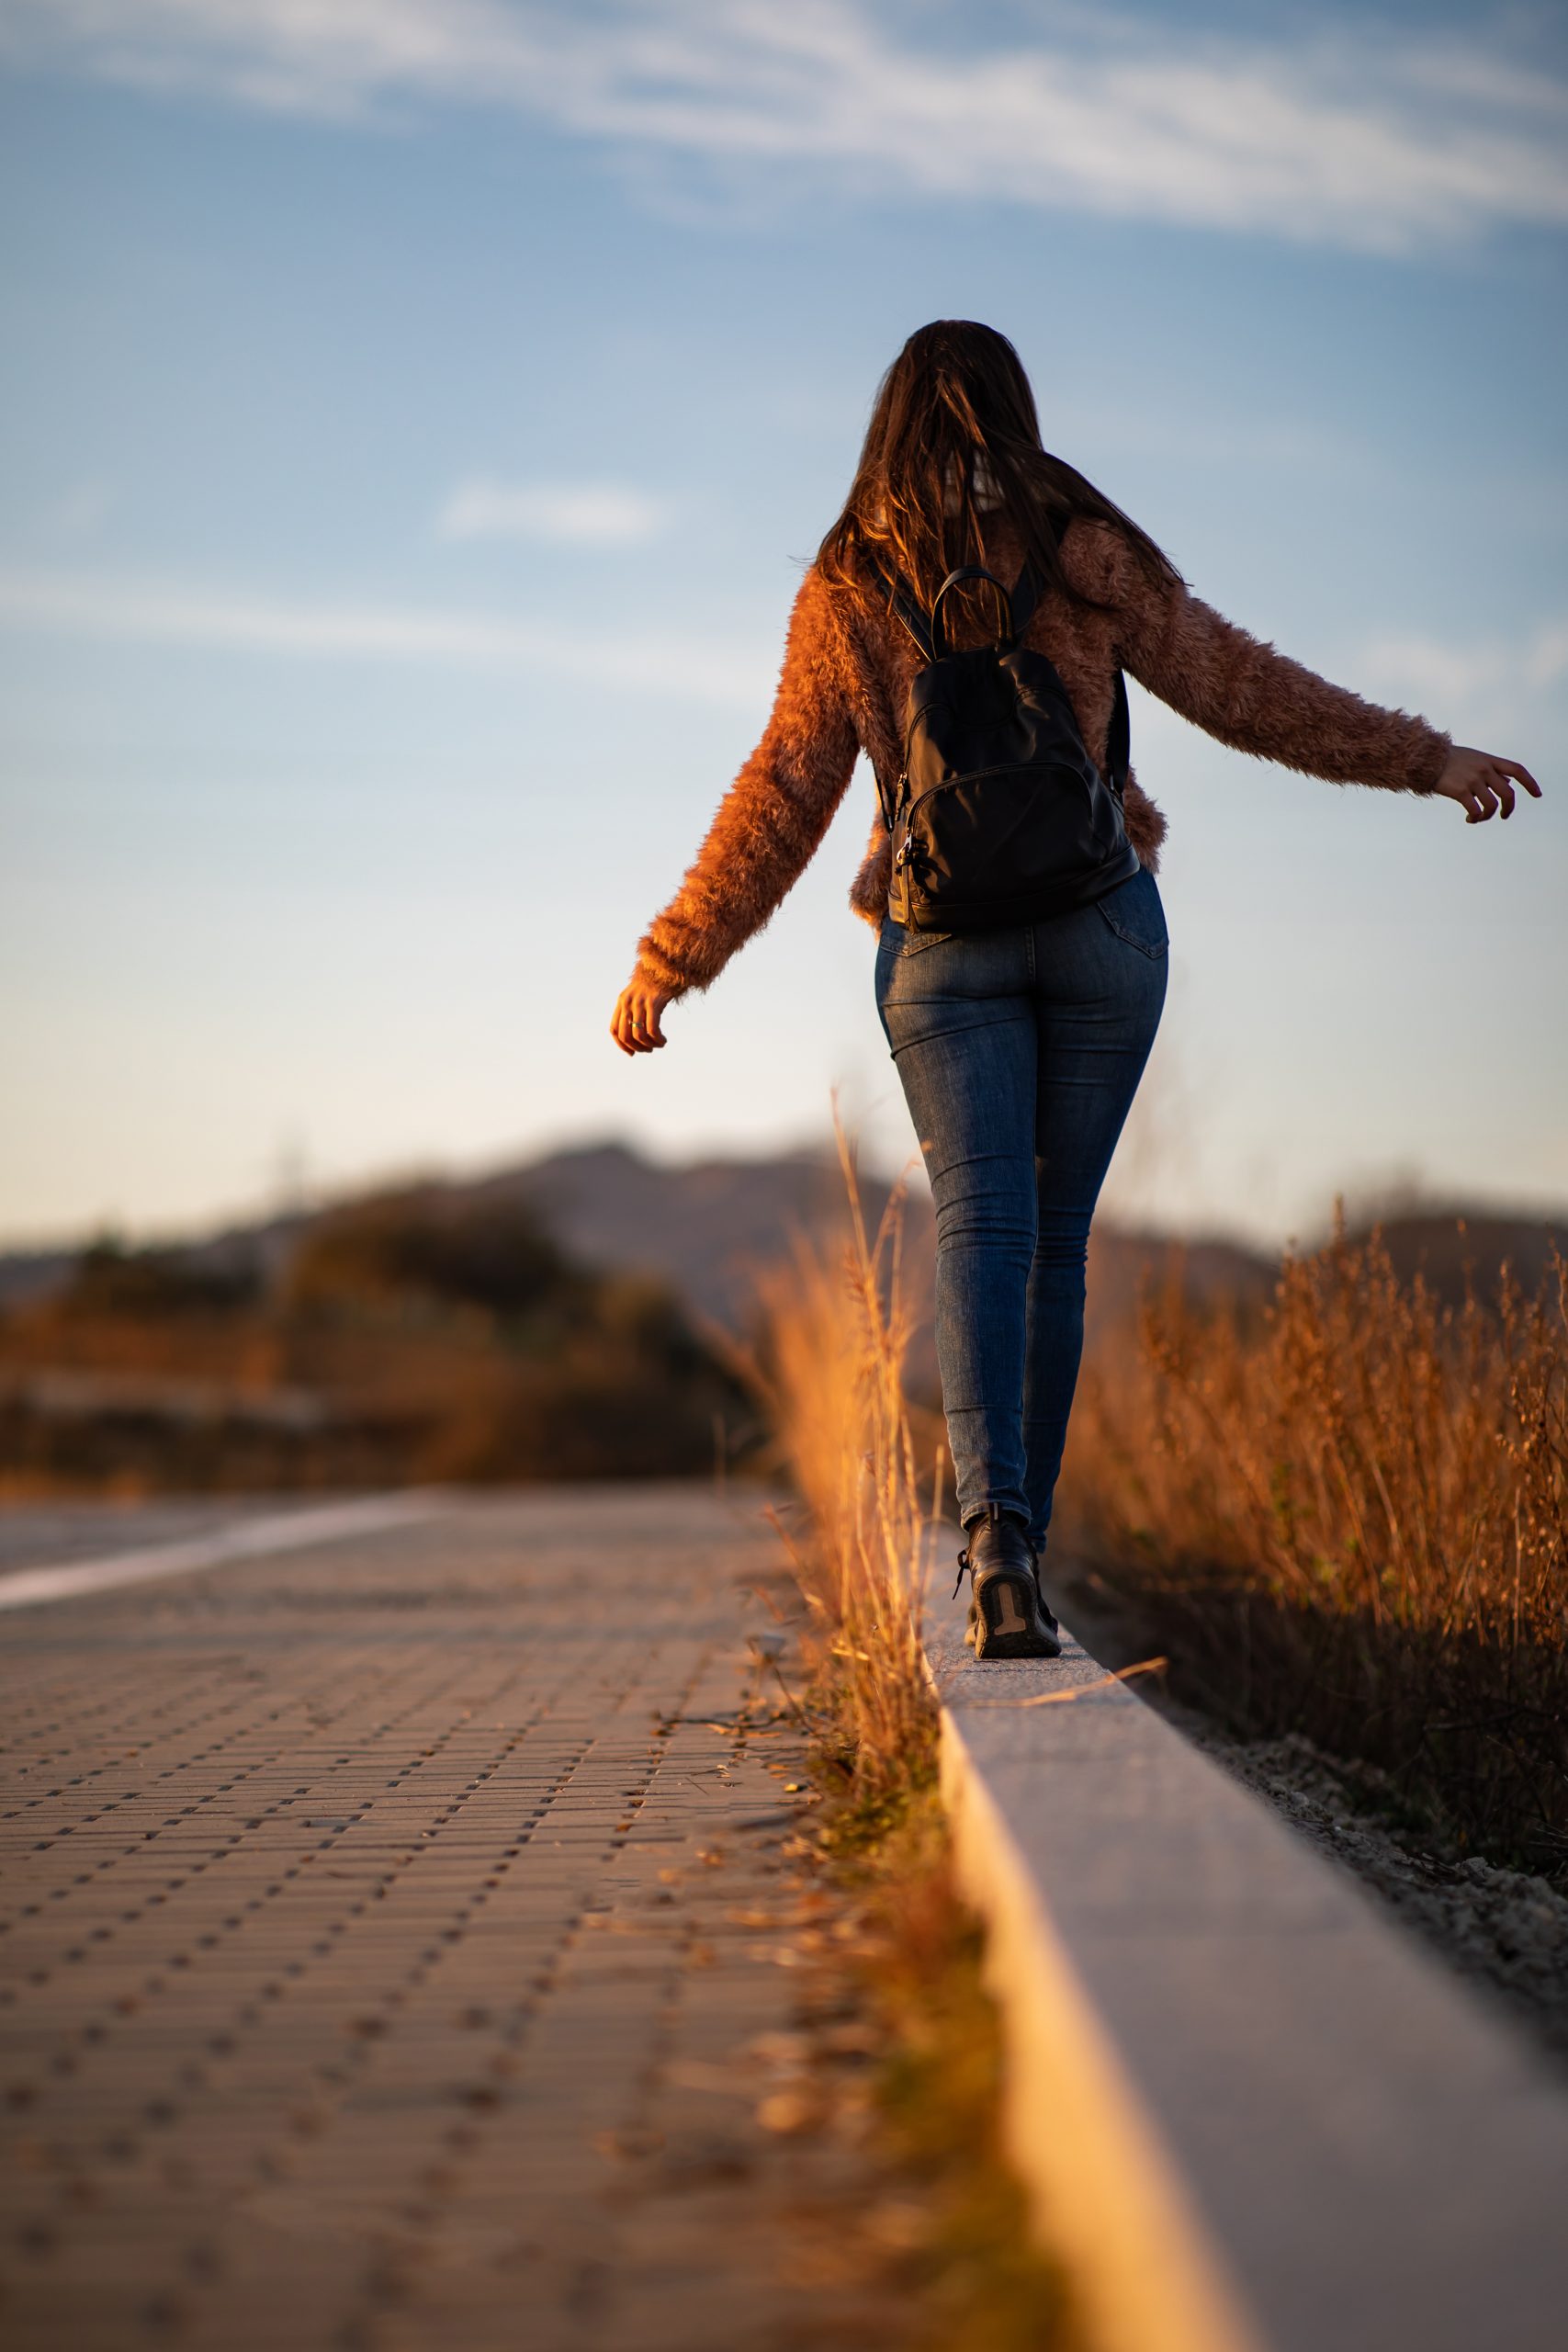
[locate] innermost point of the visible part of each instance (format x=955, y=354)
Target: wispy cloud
x=1350, y=134
x=584, y=515
x=1532, y=665
x=152, y=611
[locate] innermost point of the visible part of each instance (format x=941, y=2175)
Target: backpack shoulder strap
x=1119, y=746
x=1025, y=598
x=903, y=608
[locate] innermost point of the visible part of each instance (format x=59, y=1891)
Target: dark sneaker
x=1008, y=1617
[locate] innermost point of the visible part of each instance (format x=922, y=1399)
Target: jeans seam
x=998, y=1021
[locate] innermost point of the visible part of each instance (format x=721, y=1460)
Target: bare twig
x=1078, y=1690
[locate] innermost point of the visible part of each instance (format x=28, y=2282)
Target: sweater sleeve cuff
x=1429, y=763
x=656, y=965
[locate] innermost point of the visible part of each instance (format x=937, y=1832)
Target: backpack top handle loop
x=968, y=572
x=930, y=637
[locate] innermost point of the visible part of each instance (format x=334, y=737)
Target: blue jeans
x=1020, y=1052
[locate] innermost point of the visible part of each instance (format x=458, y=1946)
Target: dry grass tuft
x=829, y=1372
x=1352, y=1521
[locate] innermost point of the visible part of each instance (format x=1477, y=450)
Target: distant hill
x=706, y=1225
x=1434, y=1243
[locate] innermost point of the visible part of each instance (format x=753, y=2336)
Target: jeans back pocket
x=1135, y=912
x=898, y=939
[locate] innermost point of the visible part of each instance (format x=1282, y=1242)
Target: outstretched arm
x=1246, y=694
x=768, y=825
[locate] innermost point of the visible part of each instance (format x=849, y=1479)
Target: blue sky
x=415, y=416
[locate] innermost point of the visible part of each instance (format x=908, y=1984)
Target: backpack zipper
x=908, y=852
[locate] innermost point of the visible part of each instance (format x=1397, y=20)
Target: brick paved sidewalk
x=388, y=1934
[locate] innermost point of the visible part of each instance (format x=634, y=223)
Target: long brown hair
x=954, y=431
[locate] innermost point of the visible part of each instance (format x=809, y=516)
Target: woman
x=1020, y=1048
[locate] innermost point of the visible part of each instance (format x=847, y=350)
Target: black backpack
x=1001, y=815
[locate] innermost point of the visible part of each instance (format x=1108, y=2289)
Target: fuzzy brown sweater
x=847, y=670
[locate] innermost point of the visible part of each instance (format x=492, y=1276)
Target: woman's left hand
x=634, y=1025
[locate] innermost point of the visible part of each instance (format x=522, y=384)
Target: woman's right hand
x=1479, y=782
x=635, y=1023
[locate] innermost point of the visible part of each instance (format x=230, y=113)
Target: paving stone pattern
x=388, y=1933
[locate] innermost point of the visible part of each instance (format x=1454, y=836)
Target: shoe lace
x=965, y=1568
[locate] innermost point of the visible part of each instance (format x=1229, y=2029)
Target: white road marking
x=247, y=1539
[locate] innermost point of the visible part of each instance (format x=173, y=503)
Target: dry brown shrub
x=1352, y=1522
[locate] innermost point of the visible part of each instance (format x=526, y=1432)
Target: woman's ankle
x=974, y=1513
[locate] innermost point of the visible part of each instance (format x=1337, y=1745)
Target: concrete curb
x=1252, y=2114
